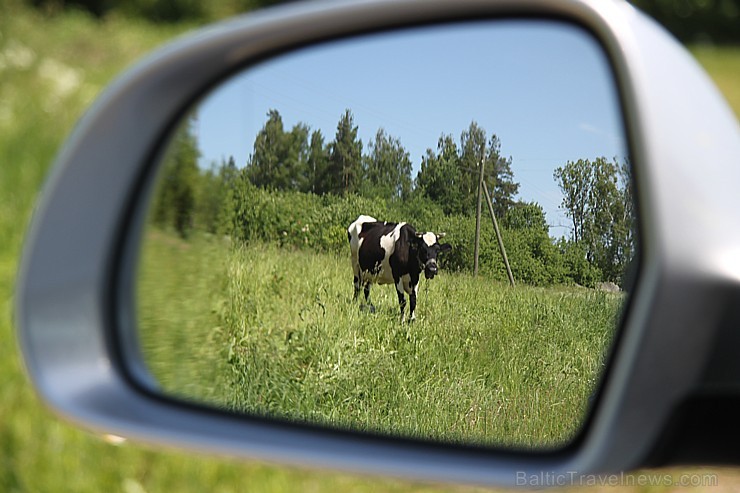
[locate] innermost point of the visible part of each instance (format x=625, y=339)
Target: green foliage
x=581, y=270
x=319, y=223
x=215, y=196
x=535, y=258
x=387, y=169
x=440, y=177
x=280, y=159
x=451, y=176
x=597, y=196
x=230, y=203
x=690, y=20
x=693, y=21
x=472, y=152
x=291, y=161
x=162, y=10
x=500, y=178
x=295, y=218
x=574, y=180
x=344, y=172
x=175, y=201
x=523, y=215
x=288, y=161
x=169, y=11
x=318, y=163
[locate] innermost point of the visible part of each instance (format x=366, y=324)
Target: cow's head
x=428, y=247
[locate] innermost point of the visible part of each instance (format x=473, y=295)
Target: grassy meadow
x=274, y=331
x=723, y=66
x=51, y=68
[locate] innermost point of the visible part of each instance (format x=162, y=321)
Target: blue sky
x=543, y=88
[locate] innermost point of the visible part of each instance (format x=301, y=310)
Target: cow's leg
x=401, y=297
x=412, y=303
x=367, y=298
x=357, y=287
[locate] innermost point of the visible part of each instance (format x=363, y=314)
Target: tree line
x=299, y=189
x=690, y=21
x=159, y=11
x=299, y=159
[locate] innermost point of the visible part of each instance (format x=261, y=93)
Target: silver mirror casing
x=74, y=301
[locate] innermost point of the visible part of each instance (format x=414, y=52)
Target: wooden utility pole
x=498, y=234
x=477, y=217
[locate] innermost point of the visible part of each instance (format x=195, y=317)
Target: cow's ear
x=440, y=235
x=443, y=247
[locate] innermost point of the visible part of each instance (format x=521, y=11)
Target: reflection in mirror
x=266, y=287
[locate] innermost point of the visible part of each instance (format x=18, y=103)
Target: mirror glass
x=424, y=233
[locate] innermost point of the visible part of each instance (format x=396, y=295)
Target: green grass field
x=51, y=69
x=723, y=66
x=273, y=331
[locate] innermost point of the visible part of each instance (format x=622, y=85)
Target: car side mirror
x=668, y=392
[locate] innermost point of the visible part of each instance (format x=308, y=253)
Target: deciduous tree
x=597, y=196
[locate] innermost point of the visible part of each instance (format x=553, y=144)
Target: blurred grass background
x=53, y=63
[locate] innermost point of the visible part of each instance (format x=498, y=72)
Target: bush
x=580, y=270
x=167, y=11
x=304, y=220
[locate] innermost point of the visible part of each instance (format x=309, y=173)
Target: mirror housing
x=671, y=363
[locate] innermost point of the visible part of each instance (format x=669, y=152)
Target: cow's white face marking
x=430, y=239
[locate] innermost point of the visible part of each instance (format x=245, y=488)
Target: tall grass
x=273, y=331
x=38, y=452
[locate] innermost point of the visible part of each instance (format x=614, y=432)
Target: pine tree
x=387, y=170
x=345, y=158
x=280, y=158
x=317, y=165
x=440, y=176
x=176, y=197
x=499, y=178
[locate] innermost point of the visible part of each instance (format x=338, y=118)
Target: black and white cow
x=385, y=253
